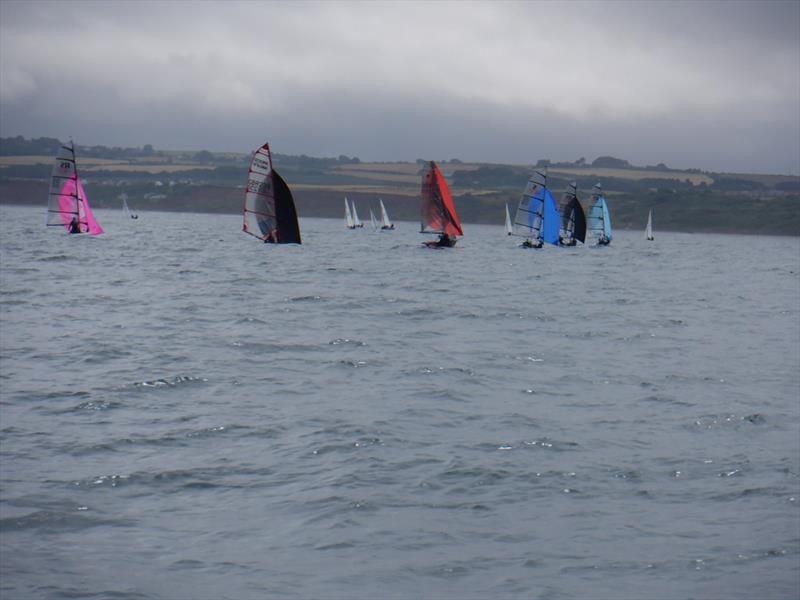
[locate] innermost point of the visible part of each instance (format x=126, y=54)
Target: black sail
x=285, y=213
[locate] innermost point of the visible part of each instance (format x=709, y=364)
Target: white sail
x=348, y=216
x=356, y=221
x=373, y=221
x=648, y=232
x=509, y=227
x=126, y=210
x=385, y=222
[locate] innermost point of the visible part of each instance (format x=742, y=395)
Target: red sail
x=438, y=211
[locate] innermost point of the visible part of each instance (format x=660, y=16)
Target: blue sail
x=543, y=217
x=606, y=221
x=552, y=220
x=599, y=219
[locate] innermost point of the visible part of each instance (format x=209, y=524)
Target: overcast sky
x=712, y=85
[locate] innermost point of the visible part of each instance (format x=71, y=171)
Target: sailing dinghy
x=509, y=228
x=348, y=216
x=648, y=231
x=269, y=212
x=573, y=219
x=599, y=219
x=385, y=222
x=537, y=218
x=126, y=211
x=67, y=205
x=438, y=211
x=372, y=220
x=356, y=221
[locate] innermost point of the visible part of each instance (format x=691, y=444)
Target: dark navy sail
x=285, y=212
x=573, y=219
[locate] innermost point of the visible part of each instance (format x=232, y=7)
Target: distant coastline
x=681, y=200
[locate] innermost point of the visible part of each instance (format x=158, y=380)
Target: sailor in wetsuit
x=74, y=225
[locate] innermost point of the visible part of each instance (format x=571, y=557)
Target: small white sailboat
x=385, y=222
x=648, y=231
x=373, y=221
x=348, y=216
x=509, y=227
x=356, y=221
x=125, y=208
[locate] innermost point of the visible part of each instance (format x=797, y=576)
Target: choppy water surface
x=188, y=413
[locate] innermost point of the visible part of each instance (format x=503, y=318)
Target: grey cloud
x=704, y=84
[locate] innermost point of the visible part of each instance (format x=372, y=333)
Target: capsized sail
x=573, y=219
x=269, y=211
x=438, y=211
x=648, y=231
x=537, y=217
x=385, y=221
x=67, y=205
x=348, y=216
x=599, y=218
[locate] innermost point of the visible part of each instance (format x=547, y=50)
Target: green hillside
x=681, y=200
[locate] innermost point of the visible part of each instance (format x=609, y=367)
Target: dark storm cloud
x=714, y=85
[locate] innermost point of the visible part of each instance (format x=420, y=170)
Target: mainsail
x=537, y=214
x=126, y=211
x=269, y=212
x=438, y=211
x=573, y=219
x=385, y=222
x=67, y=205
x=356, y=221
x=648, y=231
x=348, y=216
x=509, y=228
x=599, y=219
x=372, y=220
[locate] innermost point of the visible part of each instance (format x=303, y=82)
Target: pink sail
x=67, y=198
x=71, y=204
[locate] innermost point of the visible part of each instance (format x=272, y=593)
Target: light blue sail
x=606, y=221
x=599, y=218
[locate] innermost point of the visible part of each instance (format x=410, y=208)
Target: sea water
x=189, y=413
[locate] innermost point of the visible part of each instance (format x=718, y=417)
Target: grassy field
x=140, y=165
x=634, y=174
